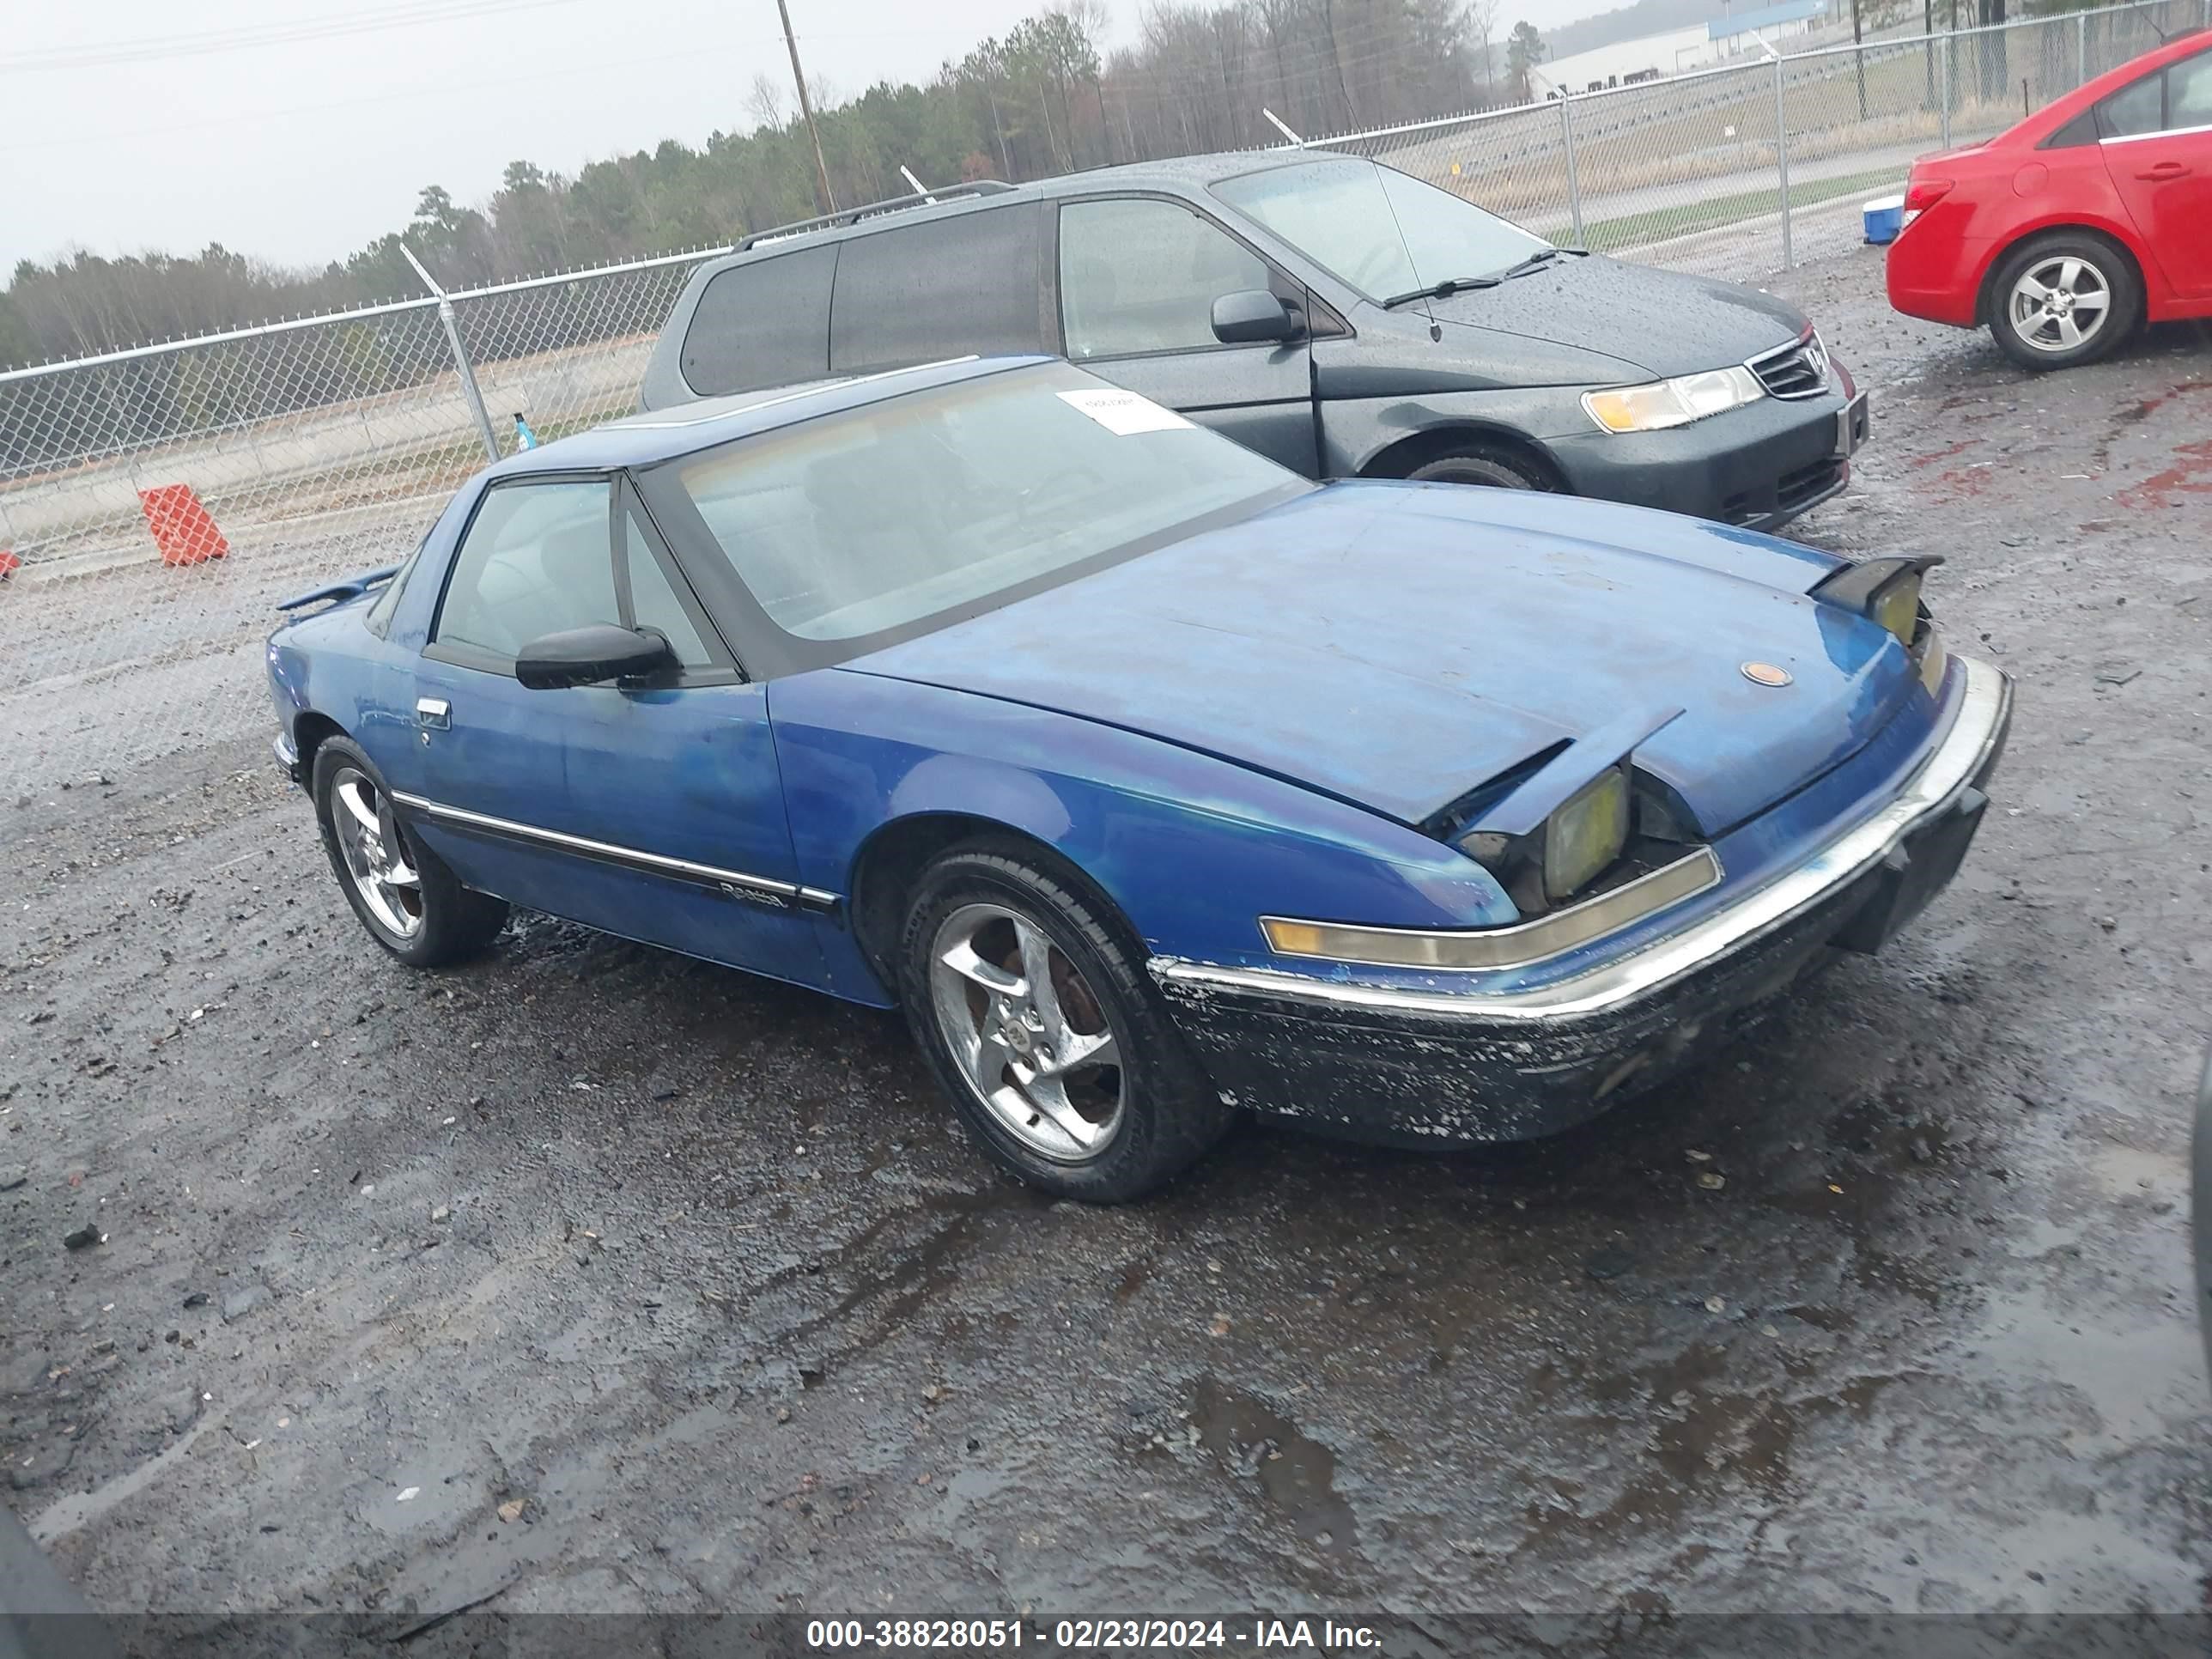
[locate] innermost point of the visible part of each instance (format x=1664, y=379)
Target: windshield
x=875, y=519
x=1383, y=231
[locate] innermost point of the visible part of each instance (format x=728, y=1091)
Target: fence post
x=452, y=328
x=1782, y=158
x=1944, y=65
x=1574, y=185
x=2081, y=47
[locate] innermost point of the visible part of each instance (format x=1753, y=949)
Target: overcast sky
x=144, y=124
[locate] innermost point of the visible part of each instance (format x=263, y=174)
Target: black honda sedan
x=1338, y=316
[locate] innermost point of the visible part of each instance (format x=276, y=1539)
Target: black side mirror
x=1253, y=314
x=592, y=656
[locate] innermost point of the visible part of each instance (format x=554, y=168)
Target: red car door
x=2164, y=170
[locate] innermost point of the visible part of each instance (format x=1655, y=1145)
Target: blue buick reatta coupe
x=1153, y=781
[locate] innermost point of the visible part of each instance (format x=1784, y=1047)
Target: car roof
x=1183, y=170
x=1176, y=173
x=654, y=436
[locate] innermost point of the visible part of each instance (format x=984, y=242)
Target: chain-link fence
x=156, y=503
x=1743, y=169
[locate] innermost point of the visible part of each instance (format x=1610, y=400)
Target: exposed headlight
x=1586, y=834
x=1886, y=591
x=1896, y=605
x=1673, y=403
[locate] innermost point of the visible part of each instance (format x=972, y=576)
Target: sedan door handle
x=2164, y=170
x=434, y=713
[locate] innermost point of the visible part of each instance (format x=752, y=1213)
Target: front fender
x=1356, y=430
x=1193, y=849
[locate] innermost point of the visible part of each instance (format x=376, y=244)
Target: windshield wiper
x=1438, y=290
x=1536, y=261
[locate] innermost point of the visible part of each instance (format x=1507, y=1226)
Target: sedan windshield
x=1385, y=232
x=857, y=524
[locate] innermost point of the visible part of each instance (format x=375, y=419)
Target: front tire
x=2061, y=301
x=1492, y=466
x=1034, y=1011
x=406, y=896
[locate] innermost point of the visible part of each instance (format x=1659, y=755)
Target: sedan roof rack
x=870, y=209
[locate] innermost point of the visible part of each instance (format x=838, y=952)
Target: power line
x=291, y=31
x=284, y=33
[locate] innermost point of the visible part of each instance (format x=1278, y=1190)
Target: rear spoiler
x=351, y=588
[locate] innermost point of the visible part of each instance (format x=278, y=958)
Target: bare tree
x=764, y=101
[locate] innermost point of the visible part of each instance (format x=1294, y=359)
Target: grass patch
x=1715, y=213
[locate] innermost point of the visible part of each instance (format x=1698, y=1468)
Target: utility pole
x=806, y=108
x=1858, y=41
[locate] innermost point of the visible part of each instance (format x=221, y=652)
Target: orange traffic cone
x=181, y=527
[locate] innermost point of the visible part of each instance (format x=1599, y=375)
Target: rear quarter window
x=940, y=288
x=761, y=324
x=2082, y=129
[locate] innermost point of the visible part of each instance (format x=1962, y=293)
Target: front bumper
x=1758, y=466
x=1393, y=1063
x=288, y=760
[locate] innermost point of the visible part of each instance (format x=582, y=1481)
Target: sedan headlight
x=1677, y=402
x=1886, y=591
x=1896, y=605
x=1586, y=833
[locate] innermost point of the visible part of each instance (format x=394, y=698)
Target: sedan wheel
x=1030, y=999
x=2061, y=300
x=409, y=900
x=377, y=861
x=1028, y=1031
x=2059, y=304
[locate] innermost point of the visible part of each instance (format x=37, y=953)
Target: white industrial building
x=1650, y=56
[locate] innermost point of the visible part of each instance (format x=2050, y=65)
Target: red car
x=2088, y=219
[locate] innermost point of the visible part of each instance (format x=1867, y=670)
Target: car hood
x=1664, y=322
x=1397, y=646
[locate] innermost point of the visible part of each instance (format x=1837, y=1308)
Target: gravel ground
x=590, y=1279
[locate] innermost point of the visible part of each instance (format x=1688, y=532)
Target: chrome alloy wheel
x=1030, y=1035
x=2059, y=303
x=375, y=852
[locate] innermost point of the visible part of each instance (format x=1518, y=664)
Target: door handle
x=434, y=713
x=2164, y=170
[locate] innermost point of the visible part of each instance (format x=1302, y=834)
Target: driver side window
x=1141, y=275
x=538, y=559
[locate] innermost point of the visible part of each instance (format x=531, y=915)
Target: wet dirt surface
x=590, y=1279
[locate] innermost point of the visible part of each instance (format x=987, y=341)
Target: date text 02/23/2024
x=978, y=1635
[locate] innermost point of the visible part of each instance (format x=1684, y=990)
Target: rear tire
x=1493, y=466
x=985, y=927
x=407, y=897
x=2063, y=300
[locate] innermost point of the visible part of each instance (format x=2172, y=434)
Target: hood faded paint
x=1396, y=645
x=1665, y=322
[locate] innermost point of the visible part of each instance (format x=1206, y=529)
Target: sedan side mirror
x=1253, y=314
x=591, y=656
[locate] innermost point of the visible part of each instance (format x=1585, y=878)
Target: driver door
x=1139, y=275
x=652, y=810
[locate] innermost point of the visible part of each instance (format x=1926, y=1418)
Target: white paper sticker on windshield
x=1123, y=413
